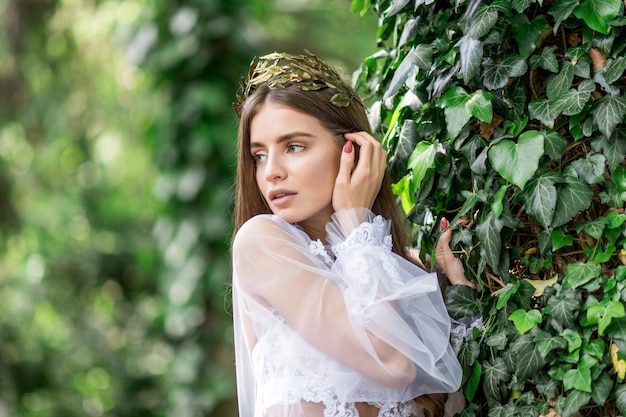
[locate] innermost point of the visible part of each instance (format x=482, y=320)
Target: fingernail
x=443, y=223
x=347, y=147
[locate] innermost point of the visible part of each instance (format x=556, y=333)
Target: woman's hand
x=450, y=264
x=357, y=186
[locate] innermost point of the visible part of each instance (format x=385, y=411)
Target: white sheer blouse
x=320, y=328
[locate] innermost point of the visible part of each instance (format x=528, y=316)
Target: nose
x=274, y=168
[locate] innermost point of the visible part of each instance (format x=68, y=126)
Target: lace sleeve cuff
x=355, y=228
x=365, y=266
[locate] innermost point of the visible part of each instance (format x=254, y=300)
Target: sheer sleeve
x=372, y=323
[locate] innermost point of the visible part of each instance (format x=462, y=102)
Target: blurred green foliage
x=116, y=166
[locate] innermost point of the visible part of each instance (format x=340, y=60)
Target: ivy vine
x=509, y=115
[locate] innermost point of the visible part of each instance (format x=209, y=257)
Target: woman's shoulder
x=262, y=222
x=262, y=227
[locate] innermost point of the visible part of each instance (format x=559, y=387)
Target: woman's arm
x=370, y=311
x=451, y=265
x=272, y=266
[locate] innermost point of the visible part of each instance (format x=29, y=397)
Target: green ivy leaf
x=498, y=410
x=471, y=199
x=483, y=21
x=544, y=110
x=618, y=176
x=554, y=144
x=571, y=404
x=579, y=273
x=613, y=148
x=602, y=314
x=360, y=6
x=598, y=13
x=496, y=205
x=496, y=75
x=602, y=256
x=620, y=398
x=591, y=168
x=528, y=33
x=468, y=353
x=490, y=240
x=454, y=102
x=608, y=112
x=421, y=160
x=561, y=10
x=547, y=342
x=540, y=199
x=521, y=5
x=404, y=190
x=528, y=358
x=547, y=60
x=395, y=7
x=595, y=228
x=525, y=320
x=464, y=302
x=402, y=73
x=479, y=105
x=471, y=386
x=498, y=340
x=582, y=68
x=574, y=341
x=456, y=118
x=579, y=379
x=559, y=84
x=572, y=196
x=494, y=373
x=614, y=69
x=407, y=140
x=471, y=51
x=423, y=56
x=459, y=106
x=560, y=240
x=409, y=32
x=601, y=388
x=517, y=162
x=615, y=219
x=505, y=294
x=573, y=101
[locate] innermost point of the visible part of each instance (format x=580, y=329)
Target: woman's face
x=297, y=161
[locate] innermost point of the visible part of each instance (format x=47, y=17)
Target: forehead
x=274, y=119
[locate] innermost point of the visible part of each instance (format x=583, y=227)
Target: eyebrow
x=283, y=138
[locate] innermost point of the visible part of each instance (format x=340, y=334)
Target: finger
x=443, y=243
x=372, y=156
x=346, y=163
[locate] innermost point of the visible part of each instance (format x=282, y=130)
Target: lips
x=280, y=196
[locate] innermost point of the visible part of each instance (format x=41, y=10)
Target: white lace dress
x=318, y=329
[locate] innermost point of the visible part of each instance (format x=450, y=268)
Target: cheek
x=258, y=178
x=330, y=173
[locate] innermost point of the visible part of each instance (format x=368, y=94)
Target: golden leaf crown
x=308, y=72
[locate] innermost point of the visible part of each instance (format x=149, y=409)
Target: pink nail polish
x=347, y=147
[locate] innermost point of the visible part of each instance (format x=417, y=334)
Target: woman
x=332, y=316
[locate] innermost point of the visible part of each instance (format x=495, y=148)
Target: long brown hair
x=339, y=120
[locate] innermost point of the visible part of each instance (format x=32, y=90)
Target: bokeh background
x=116, y=181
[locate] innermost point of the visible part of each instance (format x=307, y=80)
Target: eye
x=295, y=148
x=259, y=158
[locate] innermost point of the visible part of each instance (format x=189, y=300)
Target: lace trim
x=460, y=332
x=318, y=249
x=374, y=233
x=289, y=370
x=405, y=409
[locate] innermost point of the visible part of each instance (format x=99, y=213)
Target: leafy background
x=116, y=170
x=116, y=163
x=508, y=117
